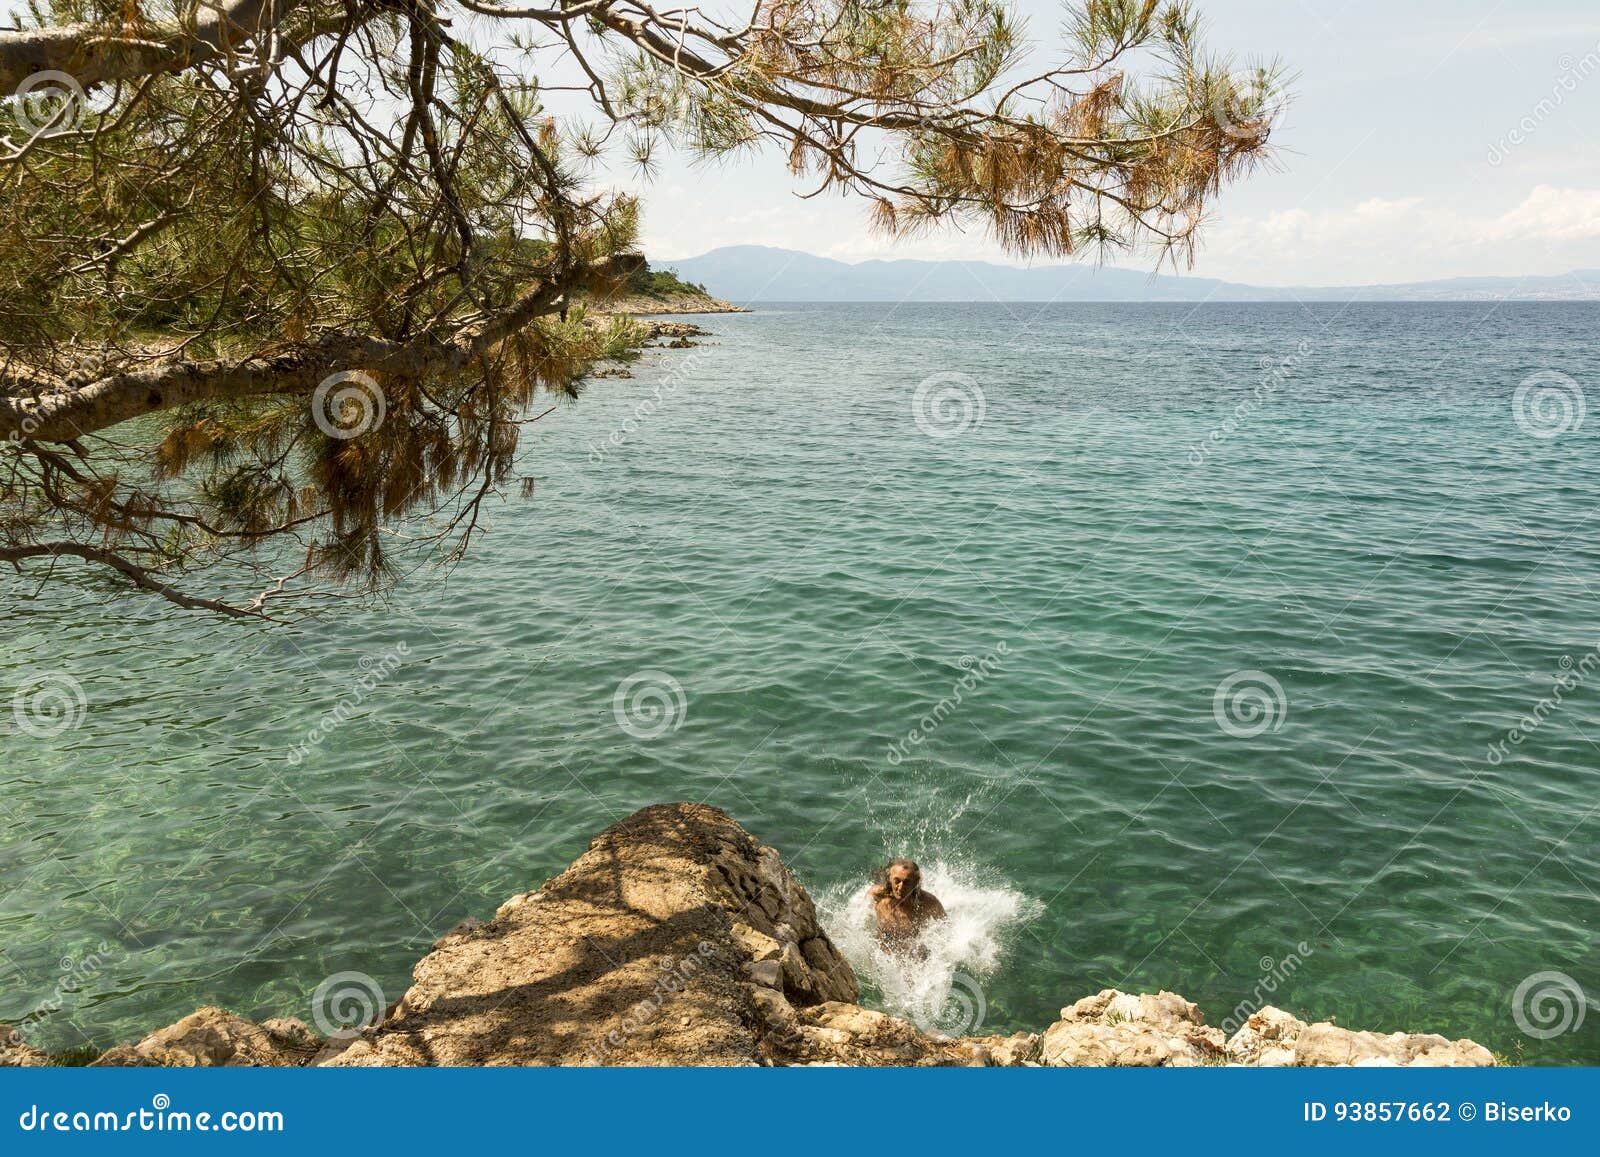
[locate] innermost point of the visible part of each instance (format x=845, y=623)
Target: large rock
x=212, y=1037
x=1273, y=1037
x=675, y=939
x=1115, y=1028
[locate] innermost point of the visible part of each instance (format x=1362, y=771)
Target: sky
x=1425, y=139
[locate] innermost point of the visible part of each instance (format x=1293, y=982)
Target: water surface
x=773, y=532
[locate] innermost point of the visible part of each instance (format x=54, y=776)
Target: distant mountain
x=756, y=273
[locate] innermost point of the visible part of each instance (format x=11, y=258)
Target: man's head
x=903, y=878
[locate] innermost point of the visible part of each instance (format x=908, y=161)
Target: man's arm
x=934, y=909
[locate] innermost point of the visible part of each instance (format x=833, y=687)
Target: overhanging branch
x=138, y=575
x=95, y=53
x=66, y=415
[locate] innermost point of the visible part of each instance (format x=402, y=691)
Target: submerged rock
x=678, y=939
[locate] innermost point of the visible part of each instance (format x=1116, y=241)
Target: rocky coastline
x=678, y=939
x=639, y=305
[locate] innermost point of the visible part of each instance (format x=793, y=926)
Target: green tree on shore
x=278, y=277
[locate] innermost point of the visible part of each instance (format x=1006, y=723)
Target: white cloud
x=1552, y=230
x=1549, y=214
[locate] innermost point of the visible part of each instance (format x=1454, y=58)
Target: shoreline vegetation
x=678, y=939
x=651, y=292
x=645, y=300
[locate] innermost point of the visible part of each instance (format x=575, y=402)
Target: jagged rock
x=212, y=1037
x=837, y=1033
x=681, y=330
x=16, y=1053
x=1118, y=1029
x=642, y=952
x=1018, y=1049
x=1272, y=1037
x=470, y=924
x=676, y=304
x=766, y=973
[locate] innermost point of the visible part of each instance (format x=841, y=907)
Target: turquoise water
x=804, y=574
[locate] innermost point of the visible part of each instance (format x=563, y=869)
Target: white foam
x=938, y=984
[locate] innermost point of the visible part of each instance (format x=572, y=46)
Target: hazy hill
x=755, y=273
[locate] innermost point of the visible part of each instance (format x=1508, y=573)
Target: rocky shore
x=646, y=306
x=678, y=939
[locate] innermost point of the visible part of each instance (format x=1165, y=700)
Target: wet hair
x=901, y=862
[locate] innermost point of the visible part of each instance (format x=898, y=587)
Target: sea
x=1250, y=652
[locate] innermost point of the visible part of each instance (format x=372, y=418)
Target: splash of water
x=937, y=980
